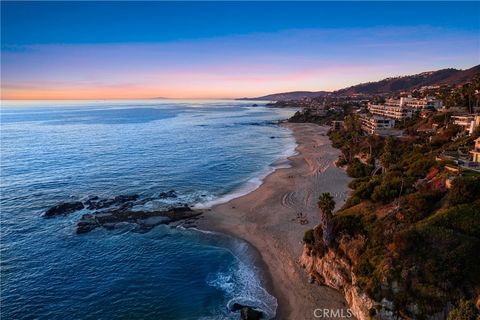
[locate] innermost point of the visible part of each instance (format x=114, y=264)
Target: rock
x=95, y=204
x=146, y=219
x=64, y=208
x=248, y=313
x=238, y=306
x=87, y=223
x=168, y=194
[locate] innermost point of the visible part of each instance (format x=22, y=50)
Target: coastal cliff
x=334, y=269
x=405, y=244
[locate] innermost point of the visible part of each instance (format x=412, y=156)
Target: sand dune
x=268, y=218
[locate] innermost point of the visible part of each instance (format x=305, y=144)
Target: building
x=468, y=122
x=379, y=126
x=421, y=104
x=337, y=125
x=404, y=107
x=389, y=110
x=476, y=151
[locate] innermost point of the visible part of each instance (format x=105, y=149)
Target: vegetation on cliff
x=419, y=221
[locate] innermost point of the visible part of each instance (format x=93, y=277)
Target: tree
x=388, y=156
x=326, y=205
x=464, y=311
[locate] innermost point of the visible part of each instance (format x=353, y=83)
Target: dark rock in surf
x=86, y=223
x=144, y=219
x=238, y=306
x=168, y=194
x=248, y=313
x=64, y=208
x=125, y=200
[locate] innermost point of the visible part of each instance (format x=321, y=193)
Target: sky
x=214, y=50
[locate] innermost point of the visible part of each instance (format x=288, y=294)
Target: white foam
x=242, y=285
x=253, y=183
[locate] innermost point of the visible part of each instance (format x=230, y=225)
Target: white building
x=420, y=104
x=390, y=110
x=476, y=151
x=379, y=126
x=404, y=107
x=468, y=122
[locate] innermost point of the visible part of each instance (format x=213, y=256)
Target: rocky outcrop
x=144, y=219
x=332, y=268
x=64, y=208
x=248, y=313
x=108, y=212
x=95, y=203
x=168, y=194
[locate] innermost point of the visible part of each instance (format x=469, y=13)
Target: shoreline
x=267, y=219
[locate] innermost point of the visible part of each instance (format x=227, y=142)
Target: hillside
x=440, y=77
x=294, y=95
x=389, y=85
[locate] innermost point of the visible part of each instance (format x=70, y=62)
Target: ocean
x=56, y=151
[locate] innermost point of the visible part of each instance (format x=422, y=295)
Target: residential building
x=420, y=104
x=468, y=122
x=404, y=107
x=379, y=126
x=390, y=110
x=476, y=151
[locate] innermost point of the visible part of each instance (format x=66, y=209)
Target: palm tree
x=326, y=205
x=388, y=157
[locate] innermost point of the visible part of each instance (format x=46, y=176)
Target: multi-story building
x=390, y=110
x=378, y=126
x=404, y=107
x=420, y=104
x=468, y=122
x=476, y=151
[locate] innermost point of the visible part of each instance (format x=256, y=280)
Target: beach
x=274, y=217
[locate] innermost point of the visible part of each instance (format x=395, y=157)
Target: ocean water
x=207, y=151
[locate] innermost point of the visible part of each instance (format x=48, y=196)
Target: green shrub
x=387, y=191
x=357, y=169
x=308, y=237
x=365, y=190
x=357, y=182
x=465, y=310
x=464, y=190
x=420, y=168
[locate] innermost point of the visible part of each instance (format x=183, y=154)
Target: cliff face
x=334, y=270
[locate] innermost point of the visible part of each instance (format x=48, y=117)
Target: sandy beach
x=274, y=217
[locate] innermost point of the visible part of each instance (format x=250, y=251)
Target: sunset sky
x=107, y=50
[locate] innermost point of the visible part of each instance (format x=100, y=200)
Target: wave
x=242, y=282
x=253, y=183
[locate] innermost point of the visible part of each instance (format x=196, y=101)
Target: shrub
x=365, y=190
x=387, y=191
x=464, y=190
x=465, y=310
x=420, y=168
x=357, y=169
x=308, y=237
x=357, y=182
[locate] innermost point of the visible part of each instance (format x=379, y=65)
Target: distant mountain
x=405, y=83
x=294, y=95
x=389, y=85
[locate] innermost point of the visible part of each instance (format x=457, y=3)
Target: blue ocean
x=207, y=151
